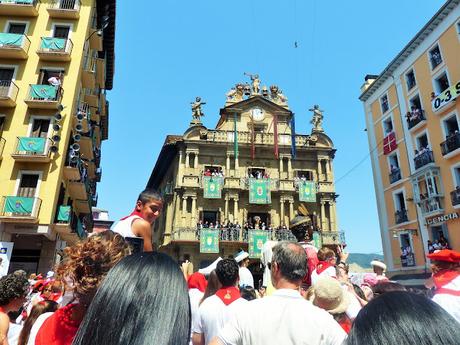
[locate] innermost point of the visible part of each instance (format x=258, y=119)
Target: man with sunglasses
x=137, y=227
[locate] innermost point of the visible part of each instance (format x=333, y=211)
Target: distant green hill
x=363, y=260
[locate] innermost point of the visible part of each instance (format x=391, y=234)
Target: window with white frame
x=394, y=163
x=28, y=185
x=456, y=172
x=435, y=57
x=40, y=127
x=410, y=80
x=441, y=83
x=387, y=126
x=450, y=125
x=400, y=204
x=415, y=103
x=384, y=103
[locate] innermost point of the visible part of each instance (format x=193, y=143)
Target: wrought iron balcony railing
x=8, y=92
x=455, y=197
x=423, y=159
x=415, y=117
x=401, y=216
x=395, y=175
x=431, y=204
x=19, y=207
x=450, y=144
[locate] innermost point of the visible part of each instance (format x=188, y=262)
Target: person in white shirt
x=246, y=278
x=326, y=265
x=285, y=317
x=138, y=225
x=55, y=81
x=196, y=286
x=215, y=311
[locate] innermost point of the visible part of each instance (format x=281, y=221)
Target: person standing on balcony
x=138, y=225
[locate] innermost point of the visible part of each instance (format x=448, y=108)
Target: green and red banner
x=256, y=241
x=212, y=187
x=259, y=191
x=209, y=241
x=307, y=191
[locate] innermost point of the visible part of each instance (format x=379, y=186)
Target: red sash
x=228, y=294
x=134, y=213
x=322, y=266
x=58, y=329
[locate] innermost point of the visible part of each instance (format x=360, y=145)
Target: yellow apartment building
x=412, y=112
x=250, y=172
x=56, y=61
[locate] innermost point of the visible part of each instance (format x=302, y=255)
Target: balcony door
x=46, y=74
x=61, y=31
x=17, y=28
x=28, y=185
x=6, y=77
x=40, y=128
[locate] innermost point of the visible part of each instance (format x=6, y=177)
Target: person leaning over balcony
x=139, y=223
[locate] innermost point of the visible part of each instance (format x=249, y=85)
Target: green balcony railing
x=55, y=45
x=32, y=146
x=19, y=206
x=9, y=40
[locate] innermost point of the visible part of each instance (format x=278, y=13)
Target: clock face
x=257, y=114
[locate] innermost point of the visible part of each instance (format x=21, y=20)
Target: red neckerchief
x=2, y=310
x=346, y=324
x=443, y=278
x=58, y=329
x=322, y=266
x=134, y=213
x=228, y=294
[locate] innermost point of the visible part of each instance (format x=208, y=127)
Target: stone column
x=323, y=216
x=235, y=210
x=319, y=170
x=195, y=161
x=237, y=166
x=281, y=212
x=193, y=222
x=332, y=216
x=226, y=208
x=227, y=165
x=187, y=160
x=328, y=171
x=281, y=165
x=180, y=167
x=289, y=168
x=291, y=209
x=184, y=210
x=177, y=215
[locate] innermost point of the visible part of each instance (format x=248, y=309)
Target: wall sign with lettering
x=442, y=219
x=446, y=96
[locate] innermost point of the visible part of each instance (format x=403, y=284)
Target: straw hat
x=378, y=263
x=329, y=295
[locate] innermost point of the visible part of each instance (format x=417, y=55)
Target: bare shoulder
x=139, y=226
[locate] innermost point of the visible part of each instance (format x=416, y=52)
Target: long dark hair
x=143, y=300
x=212, y=287
x=401, y=317
x=37, y=310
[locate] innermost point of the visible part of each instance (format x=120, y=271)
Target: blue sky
x=169, y=52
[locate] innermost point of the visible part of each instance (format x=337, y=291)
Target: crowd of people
x=110, y=290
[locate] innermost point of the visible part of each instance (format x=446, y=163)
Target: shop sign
x=442, y=219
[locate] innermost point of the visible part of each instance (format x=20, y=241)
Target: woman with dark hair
x=146, y=295
x=83, y=269
x=37, y=310
x=401, y=317
x=13, y=292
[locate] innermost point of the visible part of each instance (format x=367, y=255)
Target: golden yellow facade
x=185, y=159
x=53, y=117
x=412, y=119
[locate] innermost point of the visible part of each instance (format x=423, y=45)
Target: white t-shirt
x=246, y=278
x=123, y=227
x=213, y=315
x=328, y=272
x=13, y=333
x=195, y=298
x=283, y=318
x=450, y=303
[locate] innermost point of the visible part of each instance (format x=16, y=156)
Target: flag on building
x=307, y=191
x=389, y=143
x=256, y=241
x=31, y=144
x=64, y=214
x=259, y=191
x=212, y=187
x=209, y=241
x=19, y=205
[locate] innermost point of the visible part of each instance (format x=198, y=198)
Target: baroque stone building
x=210, y=176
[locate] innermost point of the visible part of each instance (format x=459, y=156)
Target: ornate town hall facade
x=236, y=176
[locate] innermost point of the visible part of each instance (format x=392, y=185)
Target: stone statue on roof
x=236, y=93
x=317, y=119
x=197, y=113
x=255, y=83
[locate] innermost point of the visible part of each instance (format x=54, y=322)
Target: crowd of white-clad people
x=109, y=290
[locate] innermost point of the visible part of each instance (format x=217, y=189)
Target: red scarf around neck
x=134, y=213
x=228, y=294
x=322, y=266
x=443, y=278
